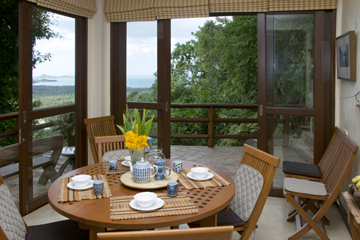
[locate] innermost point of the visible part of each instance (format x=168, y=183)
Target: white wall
x=347, y=115
x=98, y=66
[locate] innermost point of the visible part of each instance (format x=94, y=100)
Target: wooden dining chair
x=101, y=126
x=111, y=147
x=13, y=226
x=206, y=233
x=253, y=182
x=315, y=172
x=302, y=194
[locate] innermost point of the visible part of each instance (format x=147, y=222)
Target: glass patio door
x=294, y=120
x=51, y=103
x=289, y=85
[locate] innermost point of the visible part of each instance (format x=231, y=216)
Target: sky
x=141, y=46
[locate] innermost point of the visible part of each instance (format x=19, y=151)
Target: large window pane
x=291, y=138
x=53, y=150
x=141, y=61
x=214, y=60
x=53, y=59
x=290, y=60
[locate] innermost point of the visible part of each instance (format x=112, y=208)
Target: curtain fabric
x=301, y=5
x=229, y=6
x=83, y=8
x=165, y=9
x=151, y=10
x=130, y=10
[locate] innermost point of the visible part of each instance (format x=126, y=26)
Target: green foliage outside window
x=9, y=49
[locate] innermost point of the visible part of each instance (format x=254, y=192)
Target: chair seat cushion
x=228, y=218
x=305, y=186
x=61, y=230
x=303, y=169
x=115, y=154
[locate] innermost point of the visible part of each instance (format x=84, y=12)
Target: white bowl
x=81, y=180
x=145, y=199
x=199, y=172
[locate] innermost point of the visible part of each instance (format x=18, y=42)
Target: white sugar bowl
x=81, y=180
x=145, y=199
x=199, y=172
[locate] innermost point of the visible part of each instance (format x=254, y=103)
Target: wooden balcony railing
x=211, y=120
x=8, y=116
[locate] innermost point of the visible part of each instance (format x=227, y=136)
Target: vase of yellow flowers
x=136, y=131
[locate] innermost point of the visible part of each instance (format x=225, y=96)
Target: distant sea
x=137, y=81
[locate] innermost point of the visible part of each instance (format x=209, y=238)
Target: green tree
x=9, y=48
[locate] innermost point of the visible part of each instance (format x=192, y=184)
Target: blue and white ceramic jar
x=161, y=174
x=172, y=189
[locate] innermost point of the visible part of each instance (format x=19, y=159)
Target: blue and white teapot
x=142, y=170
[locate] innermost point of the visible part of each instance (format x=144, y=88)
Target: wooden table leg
x=354, y=227
x=93, y=231
x=210, y=221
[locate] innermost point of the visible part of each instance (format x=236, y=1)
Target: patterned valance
x=151, y=10
x=165, y=9
x=301, y=5
x=230, y=6
x=83, y=8
x=130, y=10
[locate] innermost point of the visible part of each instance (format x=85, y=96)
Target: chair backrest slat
x=109, y=143
x=343, y=152
x=340, y=170
x=328, y=159
x=101, y=126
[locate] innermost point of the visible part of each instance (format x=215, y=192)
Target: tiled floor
x=227, y=159
x=272, y=223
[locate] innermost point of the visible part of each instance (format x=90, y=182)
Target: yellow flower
x=133, y=141
x=142, y=141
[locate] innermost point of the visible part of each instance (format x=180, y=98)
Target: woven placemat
x=120, y=168
x=179, y=205
x=189, y=184
x=352, y=206
x=69, y=195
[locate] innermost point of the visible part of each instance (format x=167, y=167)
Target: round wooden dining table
x=95, y=214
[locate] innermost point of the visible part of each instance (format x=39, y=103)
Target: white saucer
x=125, y=163
x=208, y=176
x=157, y=204
x=72, y=185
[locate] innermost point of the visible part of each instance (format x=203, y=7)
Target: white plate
x=208, y=176
x=157, y=204
x=125, y=163
x=128, y=158
x=72, y=185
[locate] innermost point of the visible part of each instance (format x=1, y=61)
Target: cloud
x=141, y=45
x=62, y=49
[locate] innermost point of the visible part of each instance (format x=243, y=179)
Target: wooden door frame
x=27, y=114
x=324, y=84
x=118, y=80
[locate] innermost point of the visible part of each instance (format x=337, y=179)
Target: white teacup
x=145, y=199
x=81, y=180
x=199, y=172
